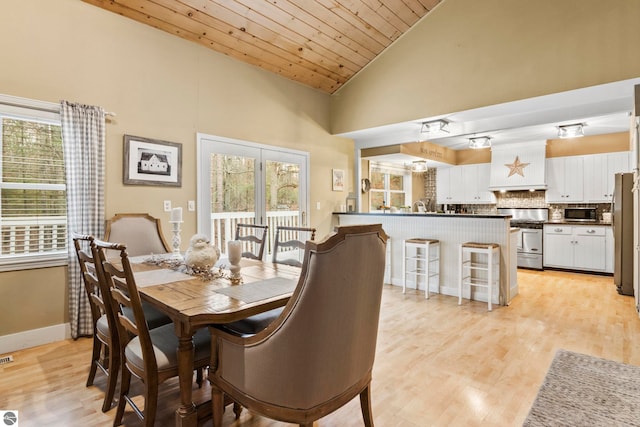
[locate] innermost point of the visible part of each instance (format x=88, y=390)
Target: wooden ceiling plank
x=301, y=33
x=430, y=4
x=318, y=16
x=370, y=19
x=406, y=10
x=416, y=7
x=393, y=12
x=356, y=23
x=188, y=19
x=244, y=53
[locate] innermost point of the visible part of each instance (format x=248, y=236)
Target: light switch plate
x=167, y=205
x=191, y=205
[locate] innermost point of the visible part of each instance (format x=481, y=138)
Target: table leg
x=186, y=415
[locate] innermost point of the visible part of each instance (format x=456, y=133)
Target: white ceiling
x=604, y=109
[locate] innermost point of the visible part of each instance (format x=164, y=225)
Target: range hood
x=518, y=166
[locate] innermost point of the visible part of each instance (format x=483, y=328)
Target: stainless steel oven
x=530, y=224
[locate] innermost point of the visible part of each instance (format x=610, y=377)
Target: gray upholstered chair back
x=140, y=232
x=323, y=345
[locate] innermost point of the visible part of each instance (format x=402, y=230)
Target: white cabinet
x=565, y=177
x=449, y=187
x=467, y=184
x=558, y=246
x=475, y=179
x=599, y=176
x=609, y=248
x=578, y=247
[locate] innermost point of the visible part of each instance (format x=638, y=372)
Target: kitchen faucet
x=420, y=203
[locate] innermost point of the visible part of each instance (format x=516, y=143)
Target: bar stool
x=425, y=255
x=476, y=272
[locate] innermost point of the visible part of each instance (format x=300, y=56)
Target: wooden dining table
x=194, y=302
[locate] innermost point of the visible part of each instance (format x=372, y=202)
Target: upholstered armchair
x=319, y=353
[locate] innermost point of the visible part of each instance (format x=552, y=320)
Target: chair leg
x=150, y=402
x=237, y=409
x=125, y=383
x=365, y=406
x=199, y=377
x=112, y=381
x=217, y=403
x=95, y=359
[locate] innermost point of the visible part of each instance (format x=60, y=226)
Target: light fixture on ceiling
x=480, y=142
x=571, y=131
x=435, y=126
x=419, y=166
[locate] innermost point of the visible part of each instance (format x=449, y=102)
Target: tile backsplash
x=520, y=199
x=524, y=199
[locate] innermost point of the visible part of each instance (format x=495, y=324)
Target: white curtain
x=83, y=138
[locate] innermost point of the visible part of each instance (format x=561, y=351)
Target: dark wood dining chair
x=141, y=232
x=288, y=244
x=105, y=353
x=288, y=249
x=148, y=354
x=253, y=238
x=319, y=353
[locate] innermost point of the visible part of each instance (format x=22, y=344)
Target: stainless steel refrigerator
x=622, y=215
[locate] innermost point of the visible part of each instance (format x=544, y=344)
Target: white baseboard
x=34, y=337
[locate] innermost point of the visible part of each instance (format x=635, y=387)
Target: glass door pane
x=285, y=192
x=233, y=195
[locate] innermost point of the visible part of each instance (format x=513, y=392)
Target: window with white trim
x=390, y=186
x=33, y=207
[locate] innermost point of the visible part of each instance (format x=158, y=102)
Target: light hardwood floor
x=438, y=364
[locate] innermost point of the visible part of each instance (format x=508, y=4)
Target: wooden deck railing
x=28, y=235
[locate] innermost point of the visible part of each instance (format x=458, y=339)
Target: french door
x=245, y=182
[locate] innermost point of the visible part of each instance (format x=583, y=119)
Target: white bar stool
x=424, y=256
x=474, y=271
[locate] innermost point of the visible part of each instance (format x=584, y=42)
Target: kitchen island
x=452, y=230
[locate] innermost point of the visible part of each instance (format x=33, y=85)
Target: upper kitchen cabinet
x=565, y=176
x=449, y=188
x=468, y=184
x=475, y=179
x=599, y=179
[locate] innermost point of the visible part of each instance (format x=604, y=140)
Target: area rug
x=581, y=390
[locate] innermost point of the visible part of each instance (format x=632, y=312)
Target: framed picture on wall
x=338, y=180
x=152, y=162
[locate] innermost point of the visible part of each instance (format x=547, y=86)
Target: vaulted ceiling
x=319, y=43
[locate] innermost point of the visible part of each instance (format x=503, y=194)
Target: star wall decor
x=517, y=167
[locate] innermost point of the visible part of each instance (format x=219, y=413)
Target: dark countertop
x=419, y=214
x=587, y=223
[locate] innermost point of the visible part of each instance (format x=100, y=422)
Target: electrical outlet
x=167, y=205
x=191, y=205
x=318, y=205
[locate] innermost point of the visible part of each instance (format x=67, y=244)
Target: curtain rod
x=46, y=110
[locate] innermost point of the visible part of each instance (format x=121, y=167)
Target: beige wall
x=467, y=54
x=161, y=87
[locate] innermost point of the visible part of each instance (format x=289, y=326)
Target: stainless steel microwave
x=580, y=214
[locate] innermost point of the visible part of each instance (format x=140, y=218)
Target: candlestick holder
x=176, y=240
x=234, y=253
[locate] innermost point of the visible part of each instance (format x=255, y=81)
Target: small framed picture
x=152, y=162
x=338, y=180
